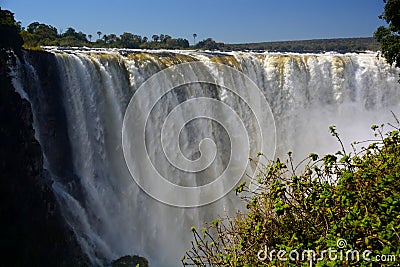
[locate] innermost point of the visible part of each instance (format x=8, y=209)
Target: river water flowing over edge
x=79, y=99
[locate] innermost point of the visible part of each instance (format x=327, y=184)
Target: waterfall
x=105, y=149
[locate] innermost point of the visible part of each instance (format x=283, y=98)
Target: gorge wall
x=34, y=232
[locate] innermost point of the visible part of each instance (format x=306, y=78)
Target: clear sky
x=234, y=21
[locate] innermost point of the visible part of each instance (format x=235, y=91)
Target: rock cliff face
x=33, y=232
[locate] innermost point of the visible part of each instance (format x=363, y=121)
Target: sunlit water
x=110, y=215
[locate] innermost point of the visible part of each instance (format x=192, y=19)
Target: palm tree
x=194, y=38
x=99, y=34
x=90, y=37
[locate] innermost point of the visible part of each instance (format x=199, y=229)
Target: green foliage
x=354, y=196
x=210, y=44
x=72, y=38
x=9, y=31
x=388, y=36
x=38, y=34
x=130, y=40
x=317, y=45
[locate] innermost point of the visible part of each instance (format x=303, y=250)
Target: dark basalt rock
x=130, y=261
x=32, y=230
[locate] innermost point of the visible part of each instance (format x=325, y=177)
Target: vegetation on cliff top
x=38, y=34
x=9, y=31
x=319, y=45
x=389, y=36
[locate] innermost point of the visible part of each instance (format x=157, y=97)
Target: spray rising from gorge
x=79, y=104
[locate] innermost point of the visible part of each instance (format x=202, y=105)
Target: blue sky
x=234, y=21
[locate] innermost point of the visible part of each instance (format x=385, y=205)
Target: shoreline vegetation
x=339, y=45
x=315, y=45
x=36, y=35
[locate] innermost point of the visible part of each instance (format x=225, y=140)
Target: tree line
x=39, y=34
x=316, y=45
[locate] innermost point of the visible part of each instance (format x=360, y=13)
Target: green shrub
x=352, y=197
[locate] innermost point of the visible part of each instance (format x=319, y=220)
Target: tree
x=209, y=44
x=194, y=38
x=162, y=38
x=155, y=38
x=99, y=34
x=9, y=31
x=112, y=39
x=173, y=43
x=388, y=36
x=126, y=39
x=80, y=36
x=72, y=38
x=183, y=43
x=90, y=37
x=32, y=27
x=129, y=40
x=38, y=34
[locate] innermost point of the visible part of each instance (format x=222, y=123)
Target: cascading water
x=79, y=99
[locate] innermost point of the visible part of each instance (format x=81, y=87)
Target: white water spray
x=108, y=211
